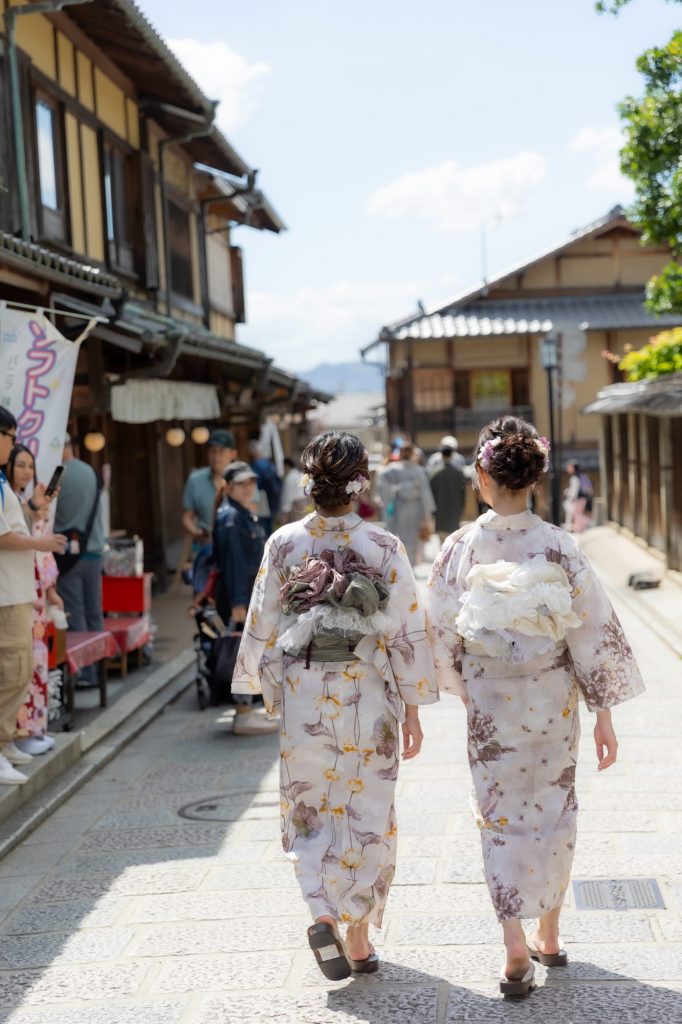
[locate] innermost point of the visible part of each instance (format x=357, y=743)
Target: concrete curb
x=78, y=756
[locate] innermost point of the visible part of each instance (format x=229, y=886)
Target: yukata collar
x=332, y=524
x=490, y=520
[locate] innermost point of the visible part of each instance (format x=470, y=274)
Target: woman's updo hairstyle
x=512, y=452
x=332, y=461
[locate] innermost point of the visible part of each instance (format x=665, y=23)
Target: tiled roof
x=661, y=396
x=52, y=265
x=533, y=316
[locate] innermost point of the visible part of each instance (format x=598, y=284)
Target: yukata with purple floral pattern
x=340, y=720
x=521, y=628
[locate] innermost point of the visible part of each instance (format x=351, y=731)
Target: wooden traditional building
x=641, y=460
x=120, y=199
x=451, y=371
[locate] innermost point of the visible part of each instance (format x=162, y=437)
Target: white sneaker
x=15, y=756
x=9, y=776
x=254, y=724
x=34, y=745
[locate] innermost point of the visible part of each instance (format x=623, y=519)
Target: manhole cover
x=618, y=894
x=242, y=805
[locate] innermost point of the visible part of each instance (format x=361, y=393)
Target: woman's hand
x=604, y=736
x=54, y=542
x=53, y=598
x=412, y=732
x=239, y=614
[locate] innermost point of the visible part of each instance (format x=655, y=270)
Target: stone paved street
x=158, y=894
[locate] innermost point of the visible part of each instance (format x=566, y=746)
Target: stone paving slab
x=41, y=950
x=84, y=982
x=346, y=1006
x=641, y=1004
x=218, y=974
x=142, y=1012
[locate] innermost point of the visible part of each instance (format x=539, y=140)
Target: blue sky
x=388, y=132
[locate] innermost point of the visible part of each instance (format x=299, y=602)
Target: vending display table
x=83, y=649
x=127, y=603
x=131, y=633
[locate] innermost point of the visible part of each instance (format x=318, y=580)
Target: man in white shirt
x=17, y=595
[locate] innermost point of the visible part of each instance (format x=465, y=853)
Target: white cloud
x=331, y=323
x=602, y=146
x=459, y=199
x=223, y=74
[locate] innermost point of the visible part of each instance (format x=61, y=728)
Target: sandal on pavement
x=559, y=959
x=327, y=945
x=518, y=986
x=367, y=966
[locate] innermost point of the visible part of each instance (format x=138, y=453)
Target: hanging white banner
x=37, y=368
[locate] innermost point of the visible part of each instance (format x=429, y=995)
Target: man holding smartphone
x=17, y=594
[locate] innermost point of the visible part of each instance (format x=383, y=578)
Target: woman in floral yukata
x=335, y=640
x=521, y=628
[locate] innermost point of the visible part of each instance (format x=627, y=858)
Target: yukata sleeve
x=442, y=608
x=604, y=664
x=258, y=668
x=407, y=646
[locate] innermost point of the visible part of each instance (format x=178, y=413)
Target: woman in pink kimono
x=335, y=640
x=32, y=723
x=521, y=628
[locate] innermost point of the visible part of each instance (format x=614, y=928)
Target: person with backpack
x=78, y=517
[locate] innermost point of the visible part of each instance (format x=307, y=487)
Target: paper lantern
x=200, y=435
x=94, y=441
x=175, y=437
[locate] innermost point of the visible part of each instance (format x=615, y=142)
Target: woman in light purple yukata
x=335, y=639
x=521, y=628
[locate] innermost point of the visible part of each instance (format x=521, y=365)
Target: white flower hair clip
x=307, y=483
x=359, y=484
x=487, y=451
x=543, y=446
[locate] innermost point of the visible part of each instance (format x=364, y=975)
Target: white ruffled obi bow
x=515, y=611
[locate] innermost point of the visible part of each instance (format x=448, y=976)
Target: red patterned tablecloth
x=130, y=632
x=84, y=649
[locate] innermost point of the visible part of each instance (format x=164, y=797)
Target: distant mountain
x=346, y=378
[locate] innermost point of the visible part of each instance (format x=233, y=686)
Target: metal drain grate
x=618, y=894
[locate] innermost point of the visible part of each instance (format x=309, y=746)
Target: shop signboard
x=37, y=369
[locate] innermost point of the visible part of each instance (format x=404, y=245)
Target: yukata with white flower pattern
x=521, y=628
x=340, y=720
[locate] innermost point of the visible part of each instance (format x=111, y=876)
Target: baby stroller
x=216, y=648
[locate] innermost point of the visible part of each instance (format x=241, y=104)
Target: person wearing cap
x=448, y=451
x=202, y=494
x=238, y=545
x=203, y=486
x=448, y=486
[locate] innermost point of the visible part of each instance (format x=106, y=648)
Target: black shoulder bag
x=77, y=540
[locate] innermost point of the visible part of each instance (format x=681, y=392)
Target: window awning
x=145, y=401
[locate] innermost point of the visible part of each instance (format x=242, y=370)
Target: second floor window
x=117, y=208
x=51, y=185
x=182, y=277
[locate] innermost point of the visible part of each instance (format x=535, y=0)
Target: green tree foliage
x=614, y=6
x=652, y=159
x=662, y=354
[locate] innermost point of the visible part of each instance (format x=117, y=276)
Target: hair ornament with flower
x=542, y=444
x=307, y=483
x=358, y=484
x=487, y=451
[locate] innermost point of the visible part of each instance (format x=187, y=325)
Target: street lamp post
x=550, y=362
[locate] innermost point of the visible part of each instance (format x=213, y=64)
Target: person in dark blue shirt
x=238, y=545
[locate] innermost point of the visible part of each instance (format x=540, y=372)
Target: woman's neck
x=340, y=510
x=510, y=504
